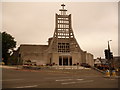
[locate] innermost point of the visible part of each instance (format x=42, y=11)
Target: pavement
x=8, y=67
x=55, y=78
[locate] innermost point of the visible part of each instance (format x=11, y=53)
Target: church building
x=62, y=48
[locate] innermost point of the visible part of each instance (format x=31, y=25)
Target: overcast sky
x=93, y=23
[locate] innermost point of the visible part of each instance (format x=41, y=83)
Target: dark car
x=85, y=65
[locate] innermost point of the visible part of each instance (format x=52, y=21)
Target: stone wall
x=33, y=53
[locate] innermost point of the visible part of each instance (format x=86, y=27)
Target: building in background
x=62, y=48
x=97, y=62
x=115, y=62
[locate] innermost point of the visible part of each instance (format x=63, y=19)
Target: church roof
x=33, y=48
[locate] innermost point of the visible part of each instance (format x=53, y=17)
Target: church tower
x=63, y=39
x=63, y=45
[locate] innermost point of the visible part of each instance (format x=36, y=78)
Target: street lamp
x=109, y=45
x=109, y=59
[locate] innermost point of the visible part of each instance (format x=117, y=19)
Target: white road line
x=27, y=86
x=11, y=79
x=69, y=83
x=58, y=78
x=88, y=81
x=68, y=79
x=77, y=82
x=64, y=79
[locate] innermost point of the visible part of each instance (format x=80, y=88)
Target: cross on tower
x=63, y=10
x=63, y=5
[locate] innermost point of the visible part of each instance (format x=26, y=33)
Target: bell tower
x=63, y=40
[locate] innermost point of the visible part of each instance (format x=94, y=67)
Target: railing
x=98, y=70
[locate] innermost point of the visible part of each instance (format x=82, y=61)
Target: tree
x=8, y=45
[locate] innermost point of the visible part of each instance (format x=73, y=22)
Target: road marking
x=58, y=77
x=68, y=79
x=88, y=81
x=64, y=79
x=11, y=79
x=69, y=83
x=77, y=82
x=27, y=86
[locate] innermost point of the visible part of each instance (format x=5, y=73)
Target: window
x=63, y=47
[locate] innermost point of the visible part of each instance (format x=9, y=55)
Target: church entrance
x=65, y=60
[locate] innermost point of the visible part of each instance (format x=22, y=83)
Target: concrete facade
x=35, y=53
x=62, y=48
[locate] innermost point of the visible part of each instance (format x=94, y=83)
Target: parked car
x=85, y=65
x=25, y=66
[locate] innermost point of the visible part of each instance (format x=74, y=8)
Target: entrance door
x=60, y=60
x=65, y=60
x=70, y=60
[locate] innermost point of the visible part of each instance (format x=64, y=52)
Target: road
x=46, y=78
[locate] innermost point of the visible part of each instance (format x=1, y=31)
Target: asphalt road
x=56, y=79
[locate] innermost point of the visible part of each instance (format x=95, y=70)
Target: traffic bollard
x=107, y=74
x=113, y=73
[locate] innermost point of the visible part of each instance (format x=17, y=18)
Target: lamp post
x=109, y=59
x=109, y=45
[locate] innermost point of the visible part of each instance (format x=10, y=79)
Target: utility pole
x=109, y=59
x=109, y=56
